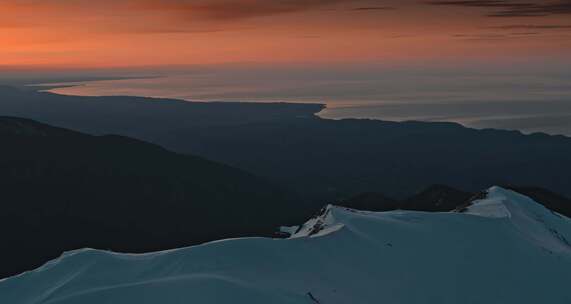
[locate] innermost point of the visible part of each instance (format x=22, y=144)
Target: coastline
x=476, y=116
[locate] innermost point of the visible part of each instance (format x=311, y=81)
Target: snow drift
x=504, y=248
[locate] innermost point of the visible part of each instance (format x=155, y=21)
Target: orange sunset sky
x=106, y=33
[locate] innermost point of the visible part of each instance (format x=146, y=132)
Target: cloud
x=500, y=4
x=525, y=33
x=224, y=15
x=481, y=37
x=536, y=9
x=532, y=27
x=495, y=37
x=164, y=16
x=511, y=8
x=229, y=10
x=374, y=8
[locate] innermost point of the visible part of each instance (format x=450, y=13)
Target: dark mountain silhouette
x=441, y=198
x=435, y=198
x=322, y=159
x=372, y=201
x=63, y=190
x=331, y=159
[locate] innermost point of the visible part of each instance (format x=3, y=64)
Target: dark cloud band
x=507, y=8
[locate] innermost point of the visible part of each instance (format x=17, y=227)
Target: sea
x=526, y=101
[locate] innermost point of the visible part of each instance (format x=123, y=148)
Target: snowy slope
x=502, y=249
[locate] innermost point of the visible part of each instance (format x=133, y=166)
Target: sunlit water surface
x=497, y=100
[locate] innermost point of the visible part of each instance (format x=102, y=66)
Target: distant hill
x=441, y=198
x=325, y=160
x=63, y=190
x=338, y=159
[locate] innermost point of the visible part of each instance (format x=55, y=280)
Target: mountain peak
x=539, y=225
x=338, y=257
x=499, y=202
x=324, y=223
x=492, y=205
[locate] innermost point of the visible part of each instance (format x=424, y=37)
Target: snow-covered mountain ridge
x=503, y=248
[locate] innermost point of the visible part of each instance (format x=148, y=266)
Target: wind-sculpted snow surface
x=504, y=248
